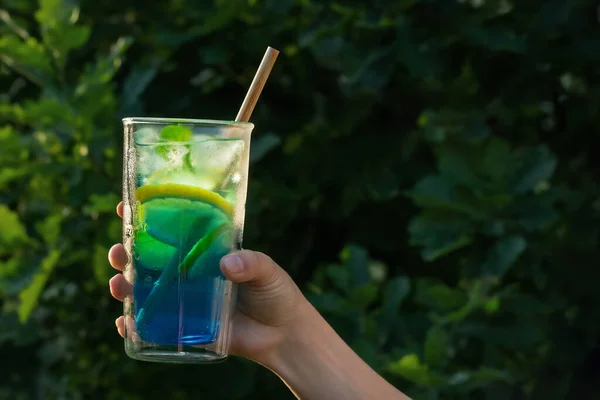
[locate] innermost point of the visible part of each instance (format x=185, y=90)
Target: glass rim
x=191, y=121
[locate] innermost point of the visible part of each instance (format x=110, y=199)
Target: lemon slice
x=175, y=190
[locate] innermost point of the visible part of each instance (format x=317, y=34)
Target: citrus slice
x=150, y=253
x=204, y=257
x=175, y=214
x=184, y=231
x=175, y=190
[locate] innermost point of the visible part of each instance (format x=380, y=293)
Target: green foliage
x=424, y=169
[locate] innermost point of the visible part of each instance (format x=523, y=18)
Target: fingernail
x=233, y=264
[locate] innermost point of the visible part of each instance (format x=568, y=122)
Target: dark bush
x=424, y=169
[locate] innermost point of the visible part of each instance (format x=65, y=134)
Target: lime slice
x=152, y=254
x=204, y=257
x=171, y=213
x=185, y=231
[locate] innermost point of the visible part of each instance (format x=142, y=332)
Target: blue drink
x=184, y=204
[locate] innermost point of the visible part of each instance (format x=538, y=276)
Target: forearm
x=315, y=363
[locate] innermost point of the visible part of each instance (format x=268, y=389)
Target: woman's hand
x=269, y=302
x=277, y=327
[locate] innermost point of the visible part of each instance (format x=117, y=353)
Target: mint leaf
x=175, y=133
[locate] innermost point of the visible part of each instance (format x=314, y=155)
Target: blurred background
x=424, y=169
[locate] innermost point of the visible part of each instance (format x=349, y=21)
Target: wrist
x=315, y=363
x=292, y=337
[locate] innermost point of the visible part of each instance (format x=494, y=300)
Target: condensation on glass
x=184, y=193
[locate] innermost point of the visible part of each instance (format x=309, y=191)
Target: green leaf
x=395, y=292
x=104, y=203
x=377, y=271
x=537, y=164
x=21, y=334
x=438, y=236
x=410, y=368
x=93, y=95
x=339, y=277
x=437, y=295
x=369, y=352
x=263, y=145
x=8, y=175
x=525, y=332
x=13, y=150
x=497, y=159
x=525, y=304
x=328, y=302
x=438, y=192
x=418, y=60
x=28, y=57
x=138, y=80
x=503, y=255
x=436, y=346
x=22, y=6
x=365, y=295
x=48, y=112
x=434, y=191
x=333, y=52
x=553, y=14
x=535, y=214
x=493, y=228
x=356, y=259
x=57, y=22
x=11, y=267
x=492, y=305
x=498, y=40
x=445, y=125
x=13, y=232
x=30, y=295
x=100, y=266
x=372, y=74
x=483, y=377
x=455, y=166
x=49, y=228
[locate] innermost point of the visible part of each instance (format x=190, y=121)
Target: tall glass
x=184, y=191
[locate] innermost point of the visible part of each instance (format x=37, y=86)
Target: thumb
x=249, y=266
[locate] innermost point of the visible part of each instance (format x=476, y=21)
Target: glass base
x=162, y=354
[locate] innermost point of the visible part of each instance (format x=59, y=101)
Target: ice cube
x=146, y=135
x=215, y=156
x=182, y=177
x=149, y=161
x=176, y=154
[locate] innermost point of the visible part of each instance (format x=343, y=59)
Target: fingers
x=117, y=257
x=249, y=266
x=120, y=323
x=119, y=287
x=126, y=327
